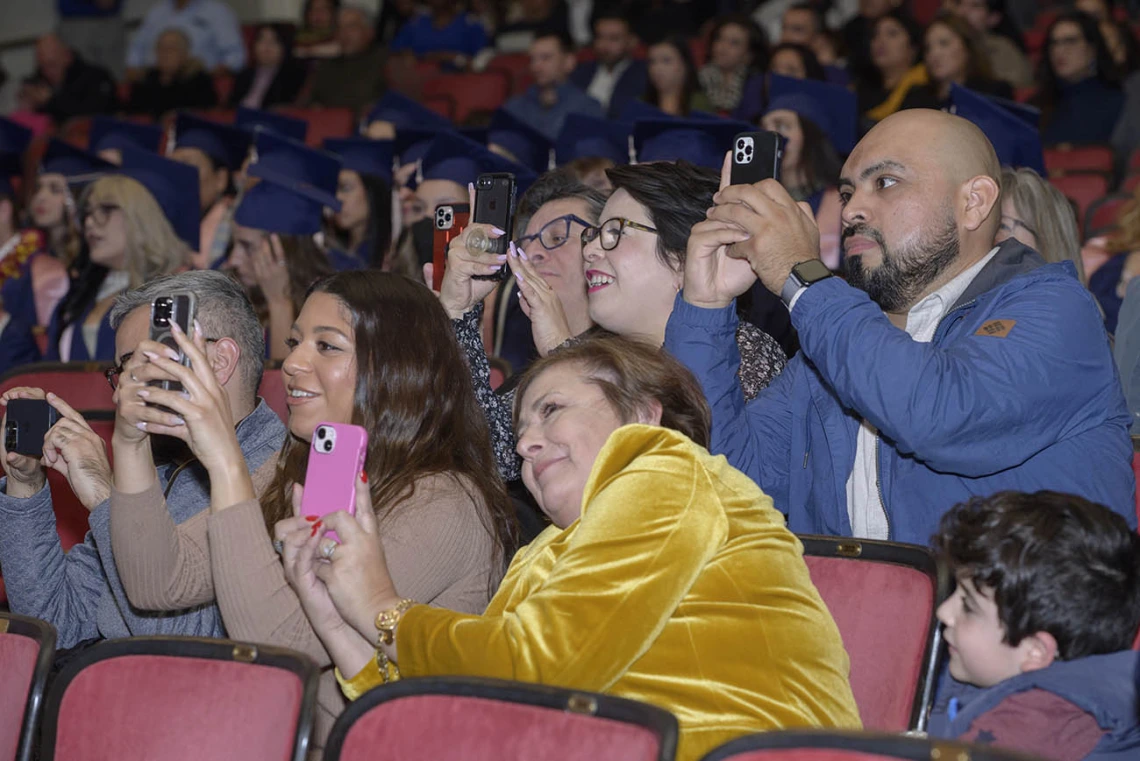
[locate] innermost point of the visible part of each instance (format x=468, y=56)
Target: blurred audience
x=443, y=31
x=274, y=77
x=614, y=77
x=672, y=84
x=737, y=52
x=521, y=19
x=65, y=86
x=96, y=30
x=177, y=79
x=211, y=29
x=316, y=36
x=1121, y=41
x=355, y=79
x=393, y=15
x=1079, y=89
x=954, y=54
x=1001, y=39
x=859, y=36
x=1037, y=214
x=1111, y=280
x=896, y=50
x=791, y=59
x=546, y=103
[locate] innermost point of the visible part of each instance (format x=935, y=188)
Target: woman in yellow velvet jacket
x=666, y=577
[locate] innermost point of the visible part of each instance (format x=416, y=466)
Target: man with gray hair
x=355, y=78
x=80, y=592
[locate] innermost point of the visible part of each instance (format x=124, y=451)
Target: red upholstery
x=324, y=122
x=1134, y=160
x=223, y=86
x=1081, y=189
x=483, y=91
x=144, y=707
x=924, y=11
x=71, y=517
x=808, y=754
x=76, y=131
x=1082, y=158
x=516, y=66
x=1131, y=182
x=1024, y=94
x=1102, y=215
x=429, y=727
x=18, y=656
x=699, y=47
x=272, y=390
x=80, y=384
x=884, y=613
x=442, y=104
x=1136, y=472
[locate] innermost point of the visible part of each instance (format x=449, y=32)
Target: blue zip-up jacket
x=1102, y=685
x=1017, y=391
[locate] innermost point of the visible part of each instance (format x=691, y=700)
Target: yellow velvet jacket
x=679, y=586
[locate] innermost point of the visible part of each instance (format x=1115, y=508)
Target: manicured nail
x=511, y=250
x=501, y=257
x=519, y=277
x=144, y=393
x=178, y=421
x=522, y=255
x=172, y=355
x=310, y=518
x=174, y=327
x=497, y=231
x=150, y=355
x=197, y=328
x=316, y=528
x=364, y=476
x=141, y=426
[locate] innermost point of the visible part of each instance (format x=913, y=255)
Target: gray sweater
x=79, y=592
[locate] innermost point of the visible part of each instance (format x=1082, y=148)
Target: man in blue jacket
x=944, y=368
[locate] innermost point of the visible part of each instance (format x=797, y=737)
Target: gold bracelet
x=386, y=623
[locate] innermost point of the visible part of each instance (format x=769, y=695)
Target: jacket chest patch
x=996, y=328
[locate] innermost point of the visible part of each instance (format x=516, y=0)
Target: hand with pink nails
x=540, y=303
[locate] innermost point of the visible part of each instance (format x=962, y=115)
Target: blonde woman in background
x=1119, y=251
x=1035, y=213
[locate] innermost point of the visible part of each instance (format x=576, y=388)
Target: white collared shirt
x=605, y=80
x=864, y=502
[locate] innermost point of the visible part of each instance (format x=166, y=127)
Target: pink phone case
x=336, y=459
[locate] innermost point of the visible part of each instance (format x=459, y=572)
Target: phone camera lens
x=748, y=150
x=328, y=446
x=321, y=432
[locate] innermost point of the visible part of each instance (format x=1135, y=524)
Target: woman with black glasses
x=631, y=267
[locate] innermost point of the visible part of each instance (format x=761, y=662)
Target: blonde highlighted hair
x=153, y=249
x=1127, y=235
x=1048, y=213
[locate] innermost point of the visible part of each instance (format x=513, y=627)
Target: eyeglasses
x=112, y=373
x=554, y=233
x=100, y=212
x=610, y=231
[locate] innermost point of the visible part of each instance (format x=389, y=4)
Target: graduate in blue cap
x=109, y=136
x=590, y=137
x=699, y=141
x=1015, y=139
x=395, y=112
x=217, y=152
x=278, y=249
x=819, y=122
x=364, y=223
x=64, y=170
x=287, y=126
x=516, y=140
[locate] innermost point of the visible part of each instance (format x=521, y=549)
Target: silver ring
x=328, y=550
x=279, y=546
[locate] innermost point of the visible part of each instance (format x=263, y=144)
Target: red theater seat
x=516, y=66
x=882, y=596
x=799, y=745
x=272, y=390
x=444, y=105
x=1079, y=158
x=1102, y=215
x=494, y=720
x=1082, y=189
x=181, y=699
x=1131, y=182
x=324, y=122
x=27, y=647
x=80, y=384
x=482, y=91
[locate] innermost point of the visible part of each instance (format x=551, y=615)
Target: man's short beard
x=898, y=282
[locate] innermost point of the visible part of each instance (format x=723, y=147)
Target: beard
x=899, y=281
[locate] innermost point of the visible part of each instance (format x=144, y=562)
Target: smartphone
x=756, y=156
x=336, y=459
x=495, y=205
x=450, y=219
x=27, y=424
x=178, y=308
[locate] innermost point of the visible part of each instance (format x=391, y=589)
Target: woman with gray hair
x=1037, y=214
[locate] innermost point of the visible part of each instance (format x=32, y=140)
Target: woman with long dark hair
x=672, y=84
x=737, y=52
x=1079, y=90
x=896, y=50
x=370, y=348
x=954, y=54
x=273, y=76
x=363, y=226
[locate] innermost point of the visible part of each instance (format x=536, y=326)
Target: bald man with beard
x=943, y=368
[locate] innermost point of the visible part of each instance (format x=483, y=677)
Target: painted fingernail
x=174, y=328
x=172, y=355
x=522, y=255
x=197, y=327
x=511, y=250
x=364, y=476
x=497, y=231
x=310, y=518
x=179, y=421
x=501, y=257
x=141, y=426
x=144, y=393
x=150, y=355
x=519, y=277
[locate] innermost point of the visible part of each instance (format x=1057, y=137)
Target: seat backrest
x=1102, y=215
x=27, y=647
x=80, y=384
x=494, y=720
x=272, y=390
x=181, y=699
x=823, y=745
x=323, y=123
x=1082, y=189
x=1130, y=182
x=1081, y=158
x=882, y=596
x=482, y=91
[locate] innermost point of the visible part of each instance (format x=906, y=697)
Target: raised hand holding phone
x=336, y=461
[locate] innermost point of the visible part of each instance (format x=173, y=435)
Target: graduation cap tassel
x=632, y=151
x=551, y=160
x=171, y=138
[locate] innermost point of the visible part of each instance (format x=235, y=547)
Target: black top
x=926, y=96
x=152, y=97
x=86, y=89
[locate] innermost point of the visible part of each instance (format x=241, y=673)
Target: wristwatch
x=803, y=275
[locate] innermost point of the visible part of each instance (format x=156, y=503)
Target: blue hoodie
x=1017, y=391
x=1102, y=685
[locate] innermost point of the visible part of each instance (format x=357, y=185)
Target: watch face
x=811, y=271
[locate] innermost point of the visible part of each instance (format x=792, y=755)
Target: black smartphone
x=178, y=308
x=495, y=205
x=450, y=221
x=756, y=156
x=29, y=420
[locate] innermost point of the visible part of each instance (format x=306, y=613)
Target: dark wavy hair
x=914, y=33
x=812, y=67
x=415, y=399
x=977, y=59
x=1049, y=91
x=378, y=232
x=1056, y=563
x=631, y=373
x=691, y=85
x=676, y=195
x=757, y=41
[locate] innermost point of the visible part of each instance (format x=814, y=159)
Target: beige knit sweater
x=438, y=552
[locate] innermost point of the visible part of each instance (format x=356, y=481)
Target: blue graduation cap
x=74, y=164
x=225, y=144
x=412, y=143
x=297, y=183
x=14, y=140
x=478, y=134
x=1017, y=143
x=698, y=141
x=638, y=110
x=454, y=157
x=173, y=185
x=249, y=118
x=529, y=146
x=403, y=113
x=363, y=155
x=114, y=134
x=586, y=136
x=832, y=108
